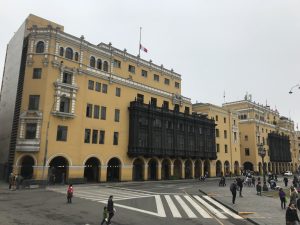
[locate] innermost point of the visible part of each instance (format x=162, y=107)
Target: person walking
x=70, y=193
x=293, y=195
x=110, y=209
x=233, y=189
x=286, y=180
x=105, y=215
x=240, y=184
x=11, y=181
x=258, y=188
x=282, y=198
x=253, y=181
x=291, y=216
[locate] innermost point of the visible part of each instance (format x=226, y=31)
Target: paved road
x=138, y=203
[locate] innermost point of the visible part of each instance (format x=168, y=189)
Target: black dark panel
x=279, y=146
x=161, y=132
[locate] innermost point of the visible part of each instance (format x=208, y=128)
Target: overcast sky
x=216, y=45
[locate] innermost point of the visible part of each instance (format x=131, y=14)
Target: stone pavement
x=261, y=210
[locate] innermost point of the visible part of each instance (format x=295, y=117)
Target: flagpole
x=140, y=40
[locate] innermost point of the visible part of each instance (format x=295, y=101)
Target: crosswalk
x=176, y=205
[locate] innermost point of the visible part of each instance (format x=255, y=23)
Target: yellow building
x=227, y=138
x=94, y=112
x=259, y=124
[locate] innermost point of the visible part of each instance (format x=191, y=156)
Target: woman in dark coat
x=291, y=215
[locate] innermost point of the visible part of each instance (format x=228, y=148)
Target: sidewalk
x=261, y=210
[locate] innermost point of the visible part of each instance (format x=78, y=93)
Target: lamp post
x=295, y=86
x=262, y=153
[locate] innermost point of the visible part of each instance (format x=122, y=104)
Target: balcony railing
x=28, y=145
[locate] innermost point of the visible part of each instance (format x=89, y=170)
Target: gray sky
x=236, y=46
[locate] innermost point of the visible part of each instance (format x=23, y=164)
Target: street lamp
x=291, y=91
x=262, y=153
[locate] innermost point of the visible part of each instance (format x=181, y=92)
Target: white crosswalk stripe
x=180, y=206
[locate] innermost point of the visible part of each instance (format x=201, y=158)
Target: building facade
x=227, y=138
x=86, y=112
x=259, y=124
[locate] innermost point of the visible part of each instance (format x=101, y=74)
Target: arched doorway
x=188, y=169
x=177, y=169
x=138, y=170
x=207, y=168
x=226, y=168
x=152, y=169
x=113, y=170
x=165, y=169
x=91, y=170
x=198, y=169
x=248, y=166
x=58, y=170
x=236, y=168
x=219, y=168
x=27, y=167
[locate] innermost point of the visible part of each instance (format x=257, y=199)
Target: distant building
x=74, y=111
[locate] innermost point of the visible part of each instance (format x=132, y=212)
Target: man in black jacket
x=240, y=184
x=110, y=208
x=233, y=189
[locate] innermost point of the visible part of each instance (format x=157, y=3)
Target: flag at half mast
x=143, y=48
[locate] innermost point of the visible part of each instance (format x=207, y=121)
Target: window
x=33, y=102
x=64, y=105
x=61, y=51
x=89, y=110
x=246, y=137
x=153, y=102
x=69, y=53
x=87, y=135
x=103, y=113
x=117, y=115
x=217, y=133
x=116, y=138
x=118, y=91
x=187, y=110
x=226, y=149
x=177, y=85
x=40, y=47
x=217, y=118
x=98, y=87
x=156, y=77
x=96, y=111
x=225, y=134
x=102, y=137
x=76, y=56
x=247, y=151
x=99, y=64
x=105, y=66
x=167, y=81
x=30, y=131
x=62, y=133
x=67, y=78
x=144, y=73
x=104, y=88
x=95, y=137
x=37, y=73
x=92, y=61
x=224, y=119
x=166, y=105
x=218, y=148
x=140, y=98
x=234, y=136
x=176, y=108
x=117, y=63
x=91, y=85
x=131, y=69
x=233, y=122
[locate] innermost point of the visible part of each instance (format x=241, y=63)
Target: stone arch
x=188, y=167
x=114, y=167
x=248, y=166
x=153, y=169
x=165, y=169
x=138, y=168
x=40, y=47
x=226, y=168
x=219, y=171
x=198, y=168
x=178, y=168
x=207, y=167
x=92, y=170
x=58, y=169
x=27, y=163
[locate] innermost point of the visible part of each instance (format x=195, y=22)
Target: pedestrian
x=286, y=180
x=70, y=192
x=240, y=184
x=282, y=198
x=105, y=215
x=10, y=180
x=253, y=181
x=110, y=209
x=293, y=195
x=258, y=188
x=291, y=216
x=233, y=189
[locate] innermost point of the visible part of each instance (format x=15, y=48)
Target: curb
x=233, y=210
